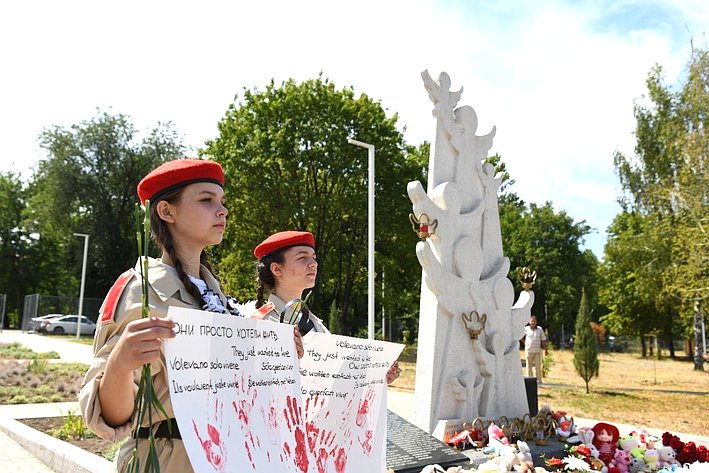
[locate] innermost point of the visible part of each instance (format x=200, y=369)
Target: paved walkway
x=13, y=457
x=69, y=352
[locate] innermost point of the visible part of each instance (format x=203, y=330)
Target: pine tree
x=333, y=320
x=585, y=352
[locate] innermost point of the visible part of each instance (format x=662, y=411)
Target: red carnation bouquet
x=686, y=452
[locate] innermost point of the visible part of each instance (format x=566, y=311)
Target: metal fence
x=37, y=305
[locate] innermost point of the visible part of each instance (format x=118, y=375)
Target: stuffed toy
x=497, y=442
x=496, y=433
x=651, y=457
x=605, y=438
x=584, y=436
x=666, y=457
x=524, y=455
x=630, y=445
x=620, y=462
x=637, y=465
x=566, y=428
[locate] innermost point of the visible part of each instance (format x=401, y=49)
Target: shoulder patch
x=114, y=294
x=262, y=312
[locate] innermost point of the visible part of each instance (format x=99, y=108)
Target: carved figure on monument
x=468, y=365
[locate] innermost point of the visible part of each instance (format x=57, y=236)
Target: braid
x=259, y=295
x=264, y=276
x=189, y=285
x=204, y=261
x=162, y=236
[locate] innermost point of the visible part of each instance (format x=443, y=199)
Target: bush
x=113, y=451
x=37, y=365
x=73, y=428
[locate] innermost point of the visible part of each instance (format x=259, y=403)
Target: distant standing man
x=535, y=342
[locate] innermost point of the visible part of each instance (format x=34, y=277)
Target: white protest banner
x=244, y=403
x=230, y=379
x=344, y=387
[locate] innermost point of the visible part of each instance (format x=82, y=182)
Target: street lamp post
x=370, y=235
x=83, y=281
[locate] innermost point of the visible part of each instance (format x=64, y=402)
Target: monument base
x=409, y=448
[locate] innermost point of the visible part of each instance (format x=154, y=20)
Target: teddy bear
x=637, y=465
x=620, y=462
x=666, y=457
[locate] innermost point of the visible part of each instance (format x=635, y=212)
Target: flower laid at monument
x=498, y=447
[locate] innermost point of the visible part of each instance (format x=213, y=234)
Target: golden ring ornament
x=422, y=226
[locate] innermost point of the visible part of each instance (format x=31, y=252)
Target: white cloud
x=557, y=79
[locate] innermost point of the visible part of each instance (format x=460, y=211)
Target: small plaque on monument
x=409, y=448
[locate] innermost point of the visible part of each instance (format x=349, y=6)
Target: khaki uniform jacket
x=165, y=290
x=281, y=304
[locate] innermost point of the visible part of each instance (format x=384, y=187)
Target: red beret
x=283, y=240
x=178, y=173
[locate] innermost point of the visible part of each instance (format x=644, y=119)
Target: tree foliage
x=550, y=243
x=289, y=166
x=585, y=351
x=87, y=185
x=14, y=241
x=666, y=182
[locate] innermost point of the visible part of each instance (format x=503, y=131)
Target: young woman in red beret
x=187, y=214
x=287, y=266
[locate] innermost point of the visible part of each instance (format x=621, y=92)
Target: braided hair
x=161, y=234
x=264, y=276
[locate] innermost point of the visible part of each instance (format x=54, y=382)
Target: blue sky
x=558, y=79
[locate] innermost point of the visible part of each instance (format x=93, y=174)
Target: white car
x=36, y=322
x=67, y=324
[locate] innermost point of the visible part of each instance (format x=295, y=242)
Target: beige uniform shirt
x=165, y=290
x=280, y=304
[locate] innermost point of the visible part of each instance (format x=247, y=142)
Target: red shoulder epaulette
x=109, y=304
x=262, y=312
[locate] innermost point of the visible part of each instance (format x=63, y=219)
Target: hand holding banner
x=243, y=401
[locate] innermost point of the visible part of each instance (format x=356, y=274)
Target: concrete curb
x=58, y=455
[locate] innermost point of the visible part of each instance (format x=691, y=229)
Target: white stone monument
x=468, y=362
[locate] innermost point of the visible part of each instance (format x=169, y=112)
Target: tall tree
x=13, y=241
x=636, y=253
x=289, y=166
x=667, y=179
x=87, y=185
x=549, y=242
x=585, y=351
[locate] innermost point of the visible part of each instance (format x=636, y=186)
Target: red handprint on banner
x=294, y=421
x=214, y=452
x=243, y=408
x=364, y=408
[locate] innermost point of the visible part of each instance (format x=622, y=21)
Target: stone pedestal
x=409, y=448
x=530, y=386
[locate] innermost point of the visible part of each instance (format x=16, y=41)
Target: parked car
x=67, y=324
x=36, y=322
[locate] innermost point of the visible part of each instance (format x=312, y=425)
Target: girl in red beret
x=287, y=266
x=187, y=214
